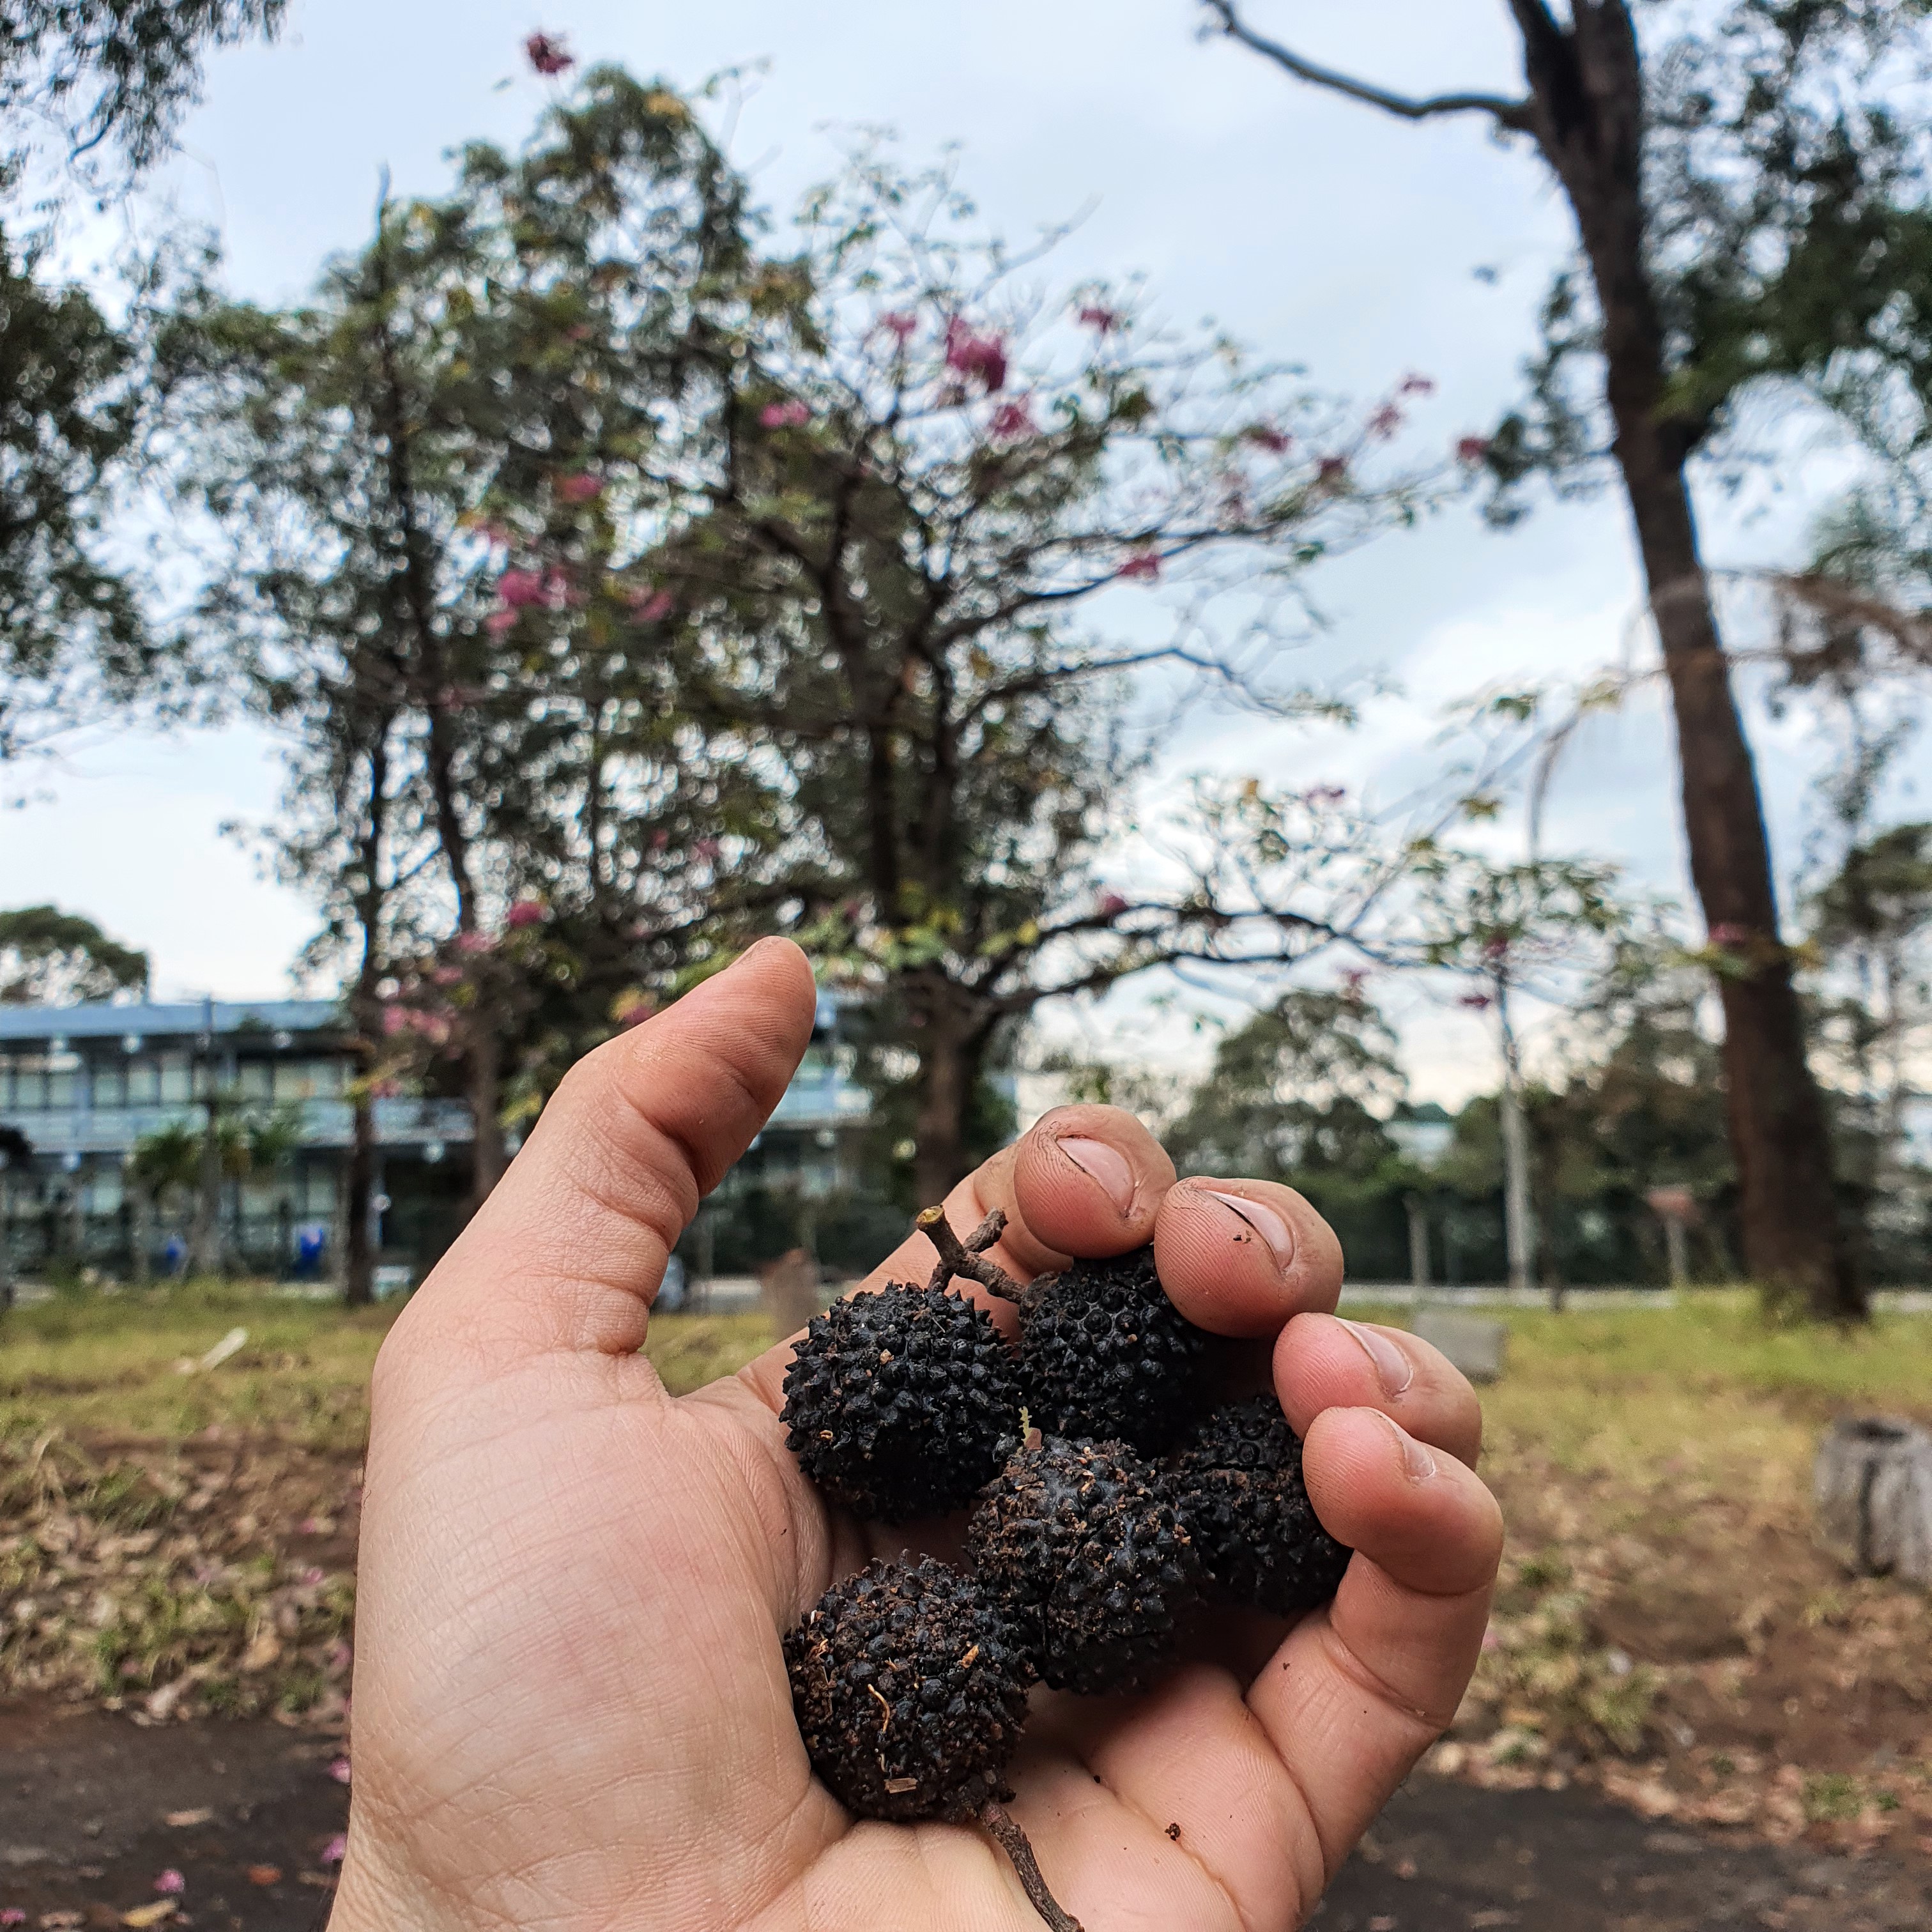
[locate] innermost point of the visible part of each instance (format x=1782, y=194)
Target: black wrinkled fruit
x=902, y=1403
x=909, y=1692
x=1238, y=1484
x=1080, y=1545
x=1105, y=1354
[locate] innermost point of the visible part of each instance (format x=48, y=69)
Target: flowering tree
x=930, y=531
x=470, y=733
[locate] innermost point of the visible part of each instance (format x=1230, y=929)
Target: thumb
x=567, y=1252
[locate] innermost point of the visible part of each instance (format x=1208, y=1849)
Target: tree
x=1750, y=214
x=107, y=77
x=110, y=76
x=1504, y=928
x=924, y=520
x=48, y=958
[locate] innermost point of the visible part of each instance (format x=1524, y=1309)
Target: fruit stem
x=968, y=1257
x=1014, y=1842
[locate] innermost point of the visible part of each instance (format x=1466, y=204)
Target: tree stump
x=1872, y=1487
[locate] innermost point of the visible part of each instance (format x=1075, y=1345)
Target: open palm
x=570, y=1708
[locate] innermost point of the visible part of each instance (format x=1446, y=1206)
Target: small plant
x=1831, y=1798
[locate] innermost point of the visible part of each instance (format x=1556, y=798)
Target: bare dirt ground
x=86, y=1800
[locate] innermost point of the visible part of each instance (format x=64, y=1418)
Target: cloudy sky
x=1314, y=230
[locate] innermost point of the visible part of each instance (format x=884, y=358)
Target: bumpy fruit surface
x=1105, y=1354
x=1238, y=1484
x=909, y=1692
x=1079, y=1544
x=902, y=1403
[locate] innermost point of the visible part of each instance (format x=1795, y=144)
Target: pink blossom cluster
x=980, y=358
x=433, y=1028
x=791, y=414
x=1013, y=419
x=579, y=488
x=1096, y=315
x=1472, y=449
x=525, y=913
x=652, y=606
x=1266, y=436
x=900, y=324
x=548, y=55
x=1143, y=567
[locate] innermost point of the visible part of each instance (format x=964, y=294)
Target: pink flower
x=1383, y=423
x=1013, y=419
x=1143, y=567
x=1472, y=449
x=707, y=849
x=385, y=1089
x=1111, y=905
x=899, y=322
x=1098, y=316
x=336, y=1850
x=1327, y=794
x=659, y=840
x=1413, y=385
x=580, y=488
x=339, y=1770
x=475, y=943
x=792, y=415
x=395, y=1020
x=501, y=623
x=548, y=55
x=1265, y=435
x=652, y=606
x=1477, y=1002
x=1353, y=981
x=12, y=1915
x=447, y=975
x=1332, y=470
x=311, y=1576
x=518, y=589
x=983, y=358
x=1726, y=934
x=528, y=912
x=170, y=1884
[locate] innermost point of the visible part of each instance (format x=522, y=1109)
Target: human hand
x=572, y=1712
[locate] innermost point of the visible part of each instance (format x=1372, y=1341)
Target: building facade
x=82, y=1088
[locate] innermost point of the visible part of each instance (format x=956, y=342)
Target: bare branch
x=1513, y=114
x=968, y=1258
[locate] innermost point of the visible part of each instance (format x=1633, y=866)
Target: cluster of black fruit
x=1129, y=1499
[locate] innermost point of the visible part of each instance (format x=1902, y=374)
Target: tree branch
x=1512, y=114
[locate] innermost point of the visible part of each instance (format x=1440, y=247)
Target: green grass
x=104, y=1368
x=1618, y=1388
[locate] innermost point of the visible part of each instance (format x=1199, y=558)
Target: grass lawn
x=1666, y=1628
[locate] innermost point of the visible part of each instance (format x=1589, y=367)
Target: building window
x=110, y=1086
x=307, y=1080
x=254, y=1079
x=30, y=1086
x=176, y=1080
x=63, y=1089
x=144, y=1082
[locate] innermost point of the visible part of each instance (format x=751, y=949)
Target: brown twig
x=998, y=1820
x=968, y=1258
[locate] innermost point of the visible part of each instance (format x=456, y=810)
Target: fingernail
x=1418, y=1464
x=1394, y=1368
x=1265, y=1221
x=1106, y=1164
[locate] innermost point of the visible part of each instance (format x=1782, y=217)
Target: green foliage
x=1788, y=231
x=113, y=71
x=50, y=958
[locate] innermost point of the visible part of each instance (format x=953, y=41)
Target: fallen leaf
x=159, y=1913
x=264, y=1874
x=59, y=1921
x=182, y=1820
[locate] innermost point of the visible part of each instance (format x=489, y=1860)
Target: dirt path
x=84, y=1831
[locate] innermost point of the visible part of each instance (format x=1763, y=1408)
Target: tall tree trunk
x=948, y=1068
x=204, y=1235
x=1587, y=85
x=359, y=1246
x=1788, y=1209
x=1519, y=1217
x=484, y=1071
